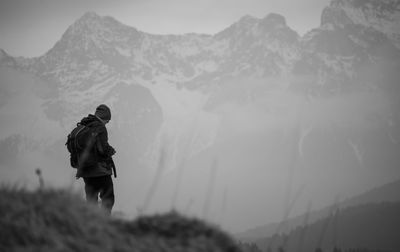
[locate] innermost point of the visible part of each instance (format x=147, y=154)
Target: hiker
x=96, y=165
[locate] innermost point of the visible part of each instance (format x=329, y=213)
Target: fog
x=281, y=144
x=261, y=153
x=237, y=158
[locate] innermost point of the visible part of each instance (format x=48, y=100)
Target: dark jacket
x=97, y=163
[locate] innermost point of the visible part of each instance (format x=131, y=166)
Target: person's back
x=96, y=164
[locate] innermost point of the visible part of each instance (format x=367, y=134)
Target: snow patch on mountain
x=383, y=16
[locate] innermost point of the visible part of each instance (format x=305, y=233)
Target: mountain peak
x=89, y=18
x=92, y=21
x=92, y=18
x=90, y=15
x=92, y=26
x=275, y=18
x=273, y=21
x=247, y=19
x=367, y=4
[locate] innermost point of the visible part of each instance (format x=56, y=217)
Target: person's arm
x=105, y=149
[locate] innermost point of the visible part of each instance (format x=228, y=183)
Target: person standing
x=96, y=165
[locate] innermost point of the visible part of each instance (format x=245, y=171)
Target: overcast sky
x=31, y=27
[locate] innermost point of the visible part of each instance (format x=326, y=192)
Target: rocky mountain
x=98, y=50
x=254, y=95
x=382, y=16
x=354, y=37
x=96, y=53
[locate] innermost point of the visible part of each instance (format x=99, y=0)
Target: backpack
x=80, y=143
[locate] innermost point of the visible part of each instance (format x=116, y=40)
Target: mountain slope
x=385, y=193
x=353, y=36
x=370, y=226
x=96, y=53
x=381, y=16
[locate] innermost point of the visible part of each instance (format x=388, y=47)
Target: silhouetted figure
x=38, y=172
x=96, y=165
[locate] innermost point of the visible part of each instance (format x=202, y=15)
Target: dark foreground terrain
x=56, y=220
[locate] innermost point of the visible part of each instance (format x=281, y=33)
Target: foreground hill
x=59, y=221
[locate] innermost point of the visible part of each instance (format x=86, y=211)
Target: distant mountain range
x=97, y=53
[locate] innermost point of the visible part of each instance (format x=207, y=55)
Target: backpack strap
x=77, y=133
x=94, y=132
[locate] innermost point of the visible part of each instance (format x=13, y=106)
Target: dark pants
x=100, y=186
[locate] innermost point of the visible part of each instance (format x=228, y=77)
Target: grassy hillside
x=55, y=220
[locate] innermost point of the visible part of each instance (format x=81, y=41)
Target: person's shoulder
x=100, y=127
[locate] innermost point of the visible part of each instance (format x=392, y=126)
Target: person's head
x=104, y=113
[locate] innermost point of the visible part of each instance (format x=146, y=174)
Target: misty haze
x=282, y=140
